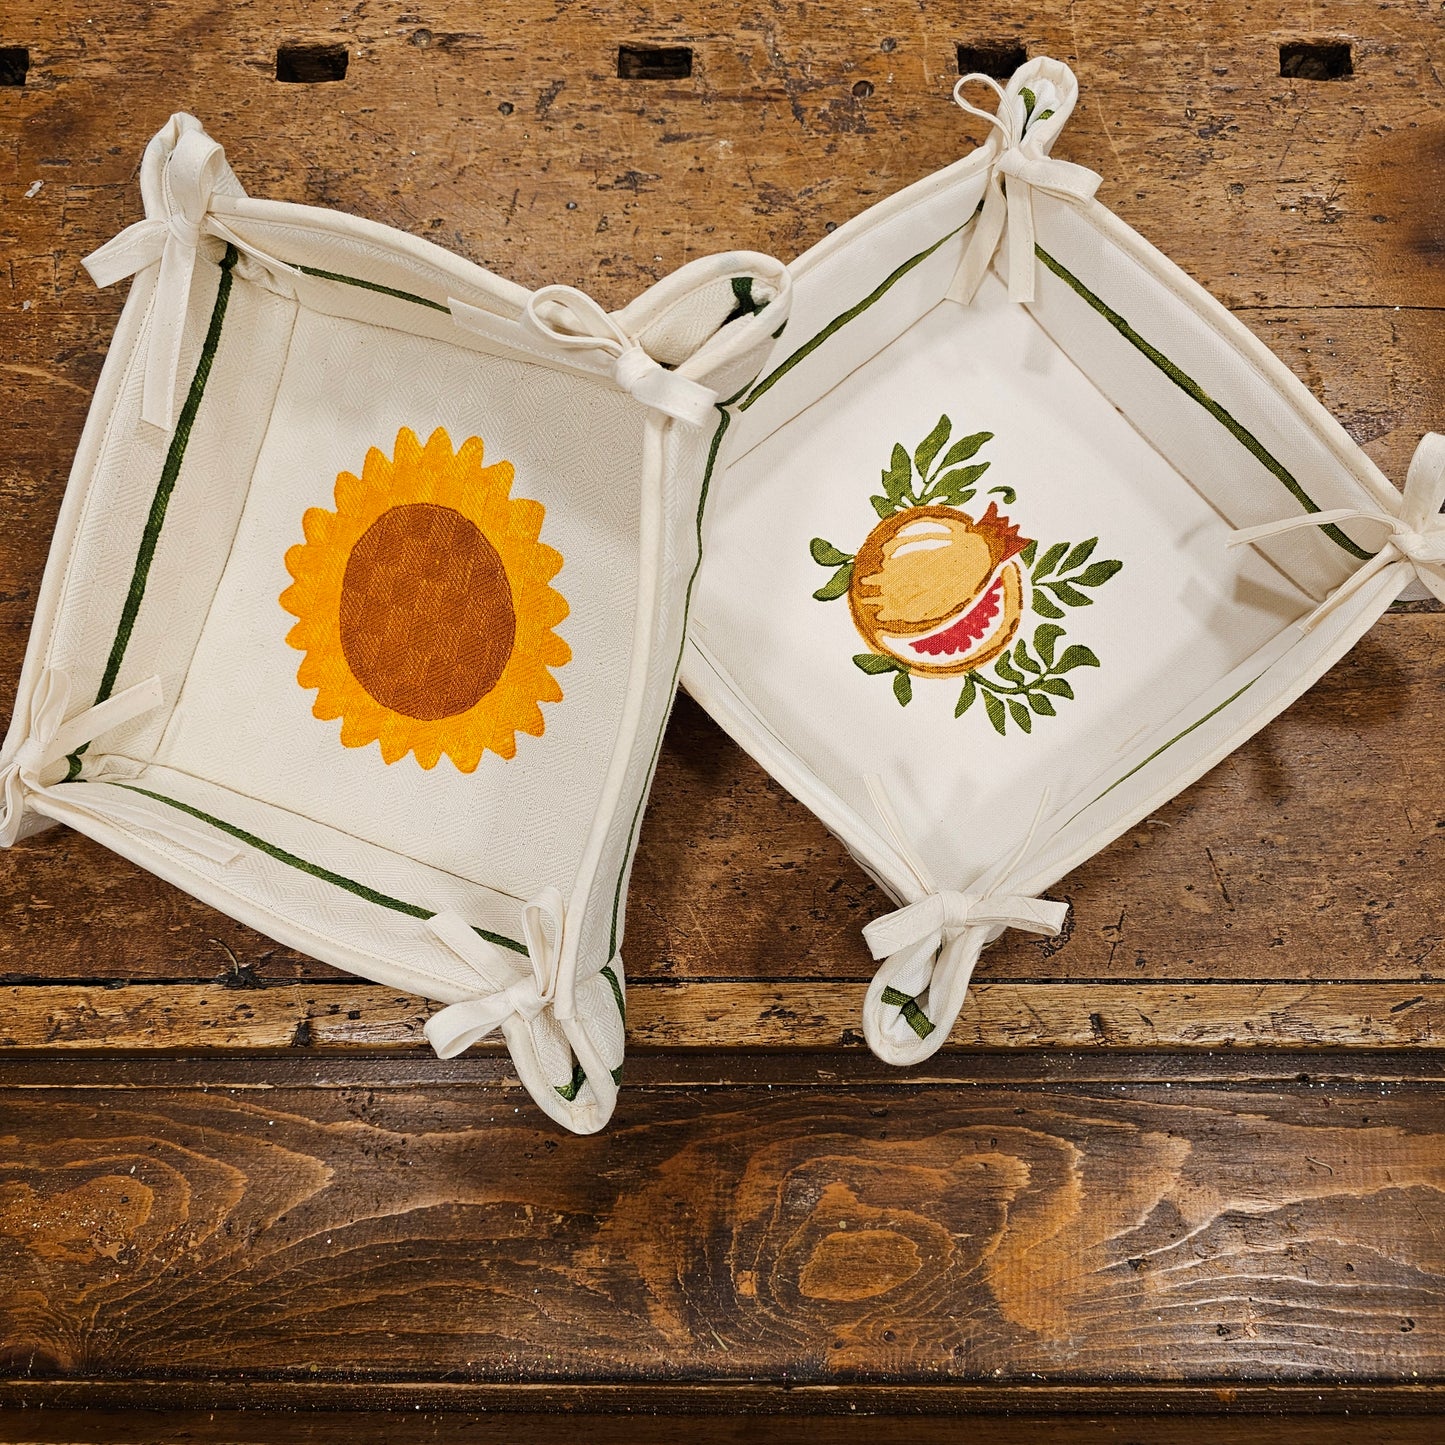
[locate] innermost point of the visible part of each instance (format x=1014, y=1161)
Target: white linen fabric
x=1021, y=534
x=366, y=602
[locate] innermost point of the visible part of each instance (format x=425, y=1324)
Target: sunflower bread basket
x=365, y=606
x=1019, y=534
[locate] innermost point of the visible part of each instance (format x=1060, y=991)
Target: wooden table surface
x=1189, y=1157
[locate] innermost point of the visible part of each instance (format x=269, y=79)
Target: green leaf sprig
x=1061, y=572
x=1026, y=680
x=941, y=476
x=825, y=554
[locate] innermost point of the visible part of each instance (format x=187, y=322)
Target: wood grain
x=1199, y=1170
x=968, y=1232
x=204, y=1018
x=71, y=1427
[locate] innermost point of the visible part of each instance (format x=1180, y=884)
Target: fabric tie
x=1417, y=530
x=931, y=945
x=50, y=738
x=193, y=172
x=938, y=917
x=509, y=994
x=1024, y=136
x=564, y=317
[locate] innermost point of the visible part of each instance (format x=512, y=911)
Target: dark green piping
x=170, y=470
x=1164, y=747
x=913, y=1015
x=1192, y=389
x=372, y=286
x=724, y=417
x=839, y=322
x=396, y=905
x=611, y=978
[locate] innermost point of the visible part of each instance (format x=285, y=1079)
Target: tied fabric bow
x=1417, y=530
x=194, y=172
x=49, y=738
x=1026, y=129
x=933, y=944
x=938, y=918
x=457, y=1027
x=569, y=320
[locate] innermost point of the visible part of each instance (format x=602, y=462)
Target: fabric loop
x=930, y=948
x=938, y=917
x=1023, y=159
x=194, y=170
x=49, y=738
x=568, y=318
x=508, y=993
x=1416, y=530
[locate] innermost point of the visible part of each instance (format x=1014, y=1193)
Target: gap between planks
x=209, y=1018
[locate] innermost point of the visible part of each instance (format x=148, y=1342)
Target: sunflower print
x=424, y=606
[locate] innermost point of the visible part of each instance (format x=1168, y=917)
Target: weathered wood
x=1268, y=189
x=202, y=1018
x=1273, y=191
x=1150, y=1231
x=854, y=1426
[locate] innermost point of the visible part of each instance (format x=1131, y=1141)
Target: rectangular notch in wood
x=310, y=64
x=654, y=62
x=996, y=58
x=1316, y=60
x=14, y=62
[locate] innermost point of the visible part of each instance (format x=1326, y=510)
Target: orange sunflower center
x=427, y=619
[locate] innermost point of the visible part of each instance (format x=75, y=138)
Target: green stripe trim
x=315, y=870
x=573, y=1086
x=155, y=520
x=1164, y=747
x=617, y=998
x=170, y=470
x=724, y=419
x=913, y=1016
x=568, y=1091
x=373, y=286
x=1193, y=390
x=839, y=322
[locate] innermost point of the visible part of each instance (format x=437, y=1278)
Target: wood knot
x=858, y=1264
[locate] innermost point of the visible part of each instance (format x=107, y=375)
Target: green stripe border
x=373, y=286
x=724, y=420
x=1195, y=392
x=170, y=471
x=843, y=318
x=315, y=870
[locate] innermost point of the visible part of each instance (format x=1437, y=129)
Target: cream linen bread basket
x=1019, y=533
x=365, y=607
x=1015, y=534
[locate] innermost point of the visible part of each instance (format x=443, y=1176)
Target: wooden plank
x=254, y=1426
x=201, y=1018
x=1273, y=191
x=979, y=1233
x=762, y=891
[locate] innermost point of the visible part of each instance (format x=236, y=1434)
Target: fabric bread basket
x=1019, y=534
x=365, y=606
